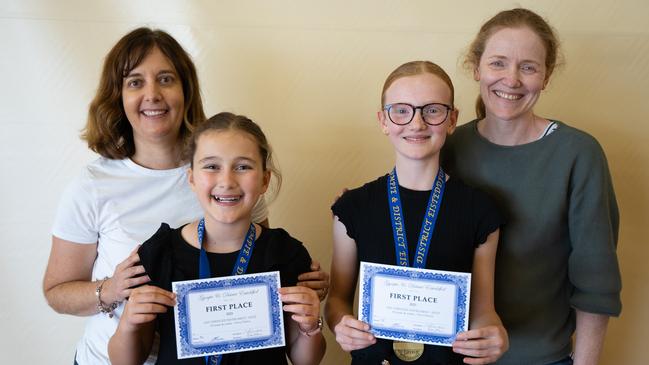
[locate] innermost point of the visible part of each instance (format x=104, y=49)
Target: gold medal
x=408, y=351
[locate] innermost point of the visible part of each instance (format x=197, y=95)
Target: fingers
x=483, y=345
x=475, y=348
x=316, y=280
x=315, y=265
x=300, y=300
x=128, y=274
x=145, y=303
x=304, y=305
x=152, y=294
x=136, y=281
x=132, y=259
x=135, y=250
x=313, y=275
x=342, y=192
x=353, y=334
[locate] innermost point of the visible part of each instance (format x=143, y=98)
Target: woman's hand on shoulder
x=128, y=274
x=144, y=305
x=352, y=334
x=316, y=279
x=482, y=345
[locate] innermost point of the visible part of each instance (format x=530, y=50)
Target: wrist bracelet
x=314, y=331
x=101, y=307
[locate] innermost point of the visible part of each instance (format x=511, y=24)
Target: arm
x=487, y=339
x=68, y=287
x=351, y=333
x=316, y=279
x=593, y=225
x=589, y=337
x=131, y=343
x=593, y=269
x=305, y=345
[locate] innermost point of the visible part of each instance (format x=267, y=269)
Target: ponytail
x=480, y=110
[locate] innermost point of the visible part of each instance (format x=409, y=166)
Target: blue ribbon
x=427, y=226
x=240, y=266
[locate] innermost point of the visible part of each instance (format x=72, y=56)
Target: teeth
x=503, y=95
x=226, y=200
x=153, y=113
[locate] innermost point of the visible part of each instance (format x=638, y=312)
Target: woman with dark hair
x=146, y=106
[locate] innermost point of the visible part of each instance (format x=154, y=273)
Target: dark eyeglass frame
x=388, y=107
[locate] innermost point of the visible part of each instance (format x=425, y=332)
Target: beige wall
x=310, y=73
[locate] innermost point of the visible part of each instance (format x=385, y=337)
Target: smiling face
x=227, y=175
x=417, y=140
x=512, y=73
x=152, y=96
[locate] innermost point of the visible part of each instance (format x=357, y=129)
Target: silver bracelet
x=314, y=331
x=107, y=309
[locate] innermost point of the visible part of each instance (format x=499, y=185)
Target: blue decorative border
x=462, y=282
x=183, y=326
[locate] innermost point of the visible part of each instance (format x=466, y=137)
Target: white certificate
x=229, y=314
x=414, y=305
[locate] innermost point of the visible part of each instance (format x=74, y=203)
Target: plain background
x=310, y=72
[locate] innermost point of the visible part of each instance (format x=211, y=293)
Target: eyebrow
x=216, y=158
x=138, y=74
x=499, y=57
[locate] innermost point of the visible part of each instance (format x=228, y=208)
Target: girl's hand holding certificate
x=352, y=334
x=304, y=304
x=144, y=305
x=484, y=345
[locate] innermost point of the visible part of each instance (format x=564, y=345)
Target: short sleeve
x=260, y=210
x=345, y=209
x=487, y=217
x=156, y=257
x=288, y=256
x=76, y=218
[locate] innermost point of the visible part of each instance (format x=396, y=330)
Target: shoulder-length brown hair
x=108, y=131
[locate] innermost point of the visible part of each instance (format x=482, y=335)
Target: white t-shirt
x=119, y=205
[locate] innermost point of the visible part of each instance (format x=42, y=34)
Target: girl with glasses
x=416, y=115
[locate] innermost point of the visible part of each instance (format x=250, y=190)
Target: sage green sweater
x=557, y=249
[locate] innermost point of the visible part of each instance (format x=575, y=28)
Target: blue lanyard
x=240, y=266
x=427, y=226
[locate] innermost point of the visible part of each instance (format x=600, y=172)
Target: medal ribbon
x=427, y=226
x=240, y=266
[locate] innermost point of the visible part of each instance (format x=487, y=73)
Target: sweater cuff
x=598, y=303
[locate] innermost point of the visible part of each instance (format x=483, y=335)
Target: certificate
x=414, y=305
x=228, y=314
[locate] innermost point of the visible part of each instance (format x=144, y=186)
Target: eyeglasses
x=433, y=113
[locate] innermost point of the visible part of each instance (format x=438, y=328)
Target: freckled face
x=417, y=140
x=152, y=96
x=228, y=175
x=512, y=73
